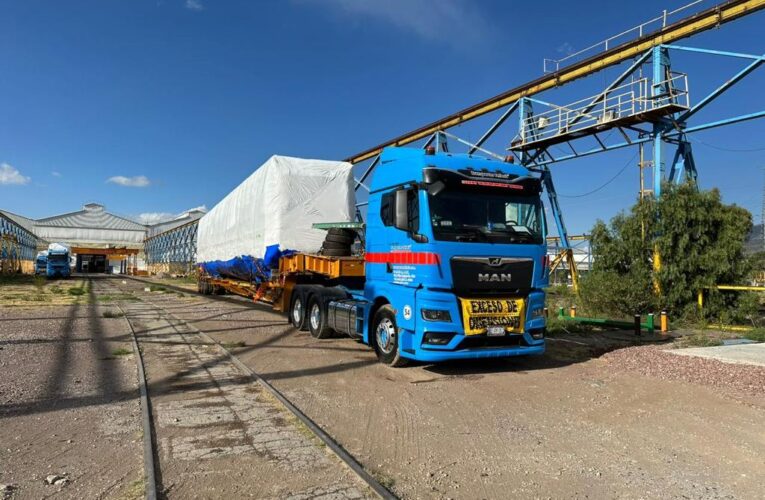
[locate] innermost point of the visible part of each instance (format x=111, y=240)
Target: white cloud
x=154, y=217
x=455, y=22
x=10, y=175
x=194, y=5
x=55, y=174
x=137, y=181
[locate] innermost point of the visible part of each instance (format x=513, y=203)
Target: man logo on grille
x=495, y=261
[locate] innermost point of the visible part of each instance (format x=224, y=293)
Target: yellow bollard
x=701, y=300
x=664, y=322
x=573, y=312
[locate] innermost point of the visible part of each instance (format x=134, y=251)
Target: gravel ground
x=68, y=406
x=569, y=424
x=742, y=381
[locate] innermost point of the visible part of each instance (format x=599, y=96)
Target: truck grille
x=484, y=275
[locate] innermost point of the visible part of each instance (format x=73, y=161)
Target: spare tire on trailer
x=338, y=242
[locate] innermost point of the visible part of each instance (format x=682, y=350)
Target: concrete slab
x=746, y=354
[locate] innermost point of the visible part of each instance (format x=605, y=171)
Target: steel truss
x=643, y=110
x=174, y=250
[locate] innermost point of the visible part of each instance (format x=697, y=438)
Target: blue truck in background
x=41, y=263
x=451, y=263
x=57, y=265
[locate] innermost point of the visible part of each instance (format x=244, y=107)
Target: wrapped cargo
x=273, y=211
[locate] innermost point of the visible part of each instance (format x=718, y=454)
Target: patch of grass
x=16, y=279
x=76, y=291
x=699, y=339
x=157, y=288
x=122, y=352
x=558, y=326
x=112, y=314
x=233, y=345
x=116, y=298
x=387, y=481
x=757, y=334
x=135, y=491
x=39, y=282
x=56, y=289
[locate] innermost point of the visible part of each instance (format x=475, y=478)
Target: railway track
x=207, y=415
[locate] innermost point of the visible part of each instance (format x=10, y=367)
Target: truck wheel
x=297, y=310
x=317, y=318
x=385, y=337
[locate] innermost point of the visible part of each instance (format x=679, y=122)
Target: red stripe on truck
x=414, y=258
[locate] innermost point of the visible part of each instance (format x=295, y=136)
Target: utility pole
x=762, y=211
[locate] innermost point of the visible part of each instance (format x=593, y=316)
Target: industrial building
x=100, y=241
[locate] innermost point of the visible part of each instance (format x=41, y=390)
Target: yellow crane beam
x=691, y=25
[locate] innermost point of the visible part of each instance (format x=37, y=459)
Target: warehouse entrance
x=91, y=263
x=105, y=260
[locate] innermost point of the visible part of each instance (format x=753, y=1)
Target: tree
x=700, y=241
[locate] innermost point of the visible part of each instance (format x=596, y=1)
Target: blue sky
x=157, y=106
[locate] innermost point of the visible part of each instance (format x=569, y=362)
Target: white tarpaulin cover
x=277, y=204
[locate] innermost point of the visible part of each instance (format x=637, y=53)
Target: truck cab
x=456, y=258
x=58, y=261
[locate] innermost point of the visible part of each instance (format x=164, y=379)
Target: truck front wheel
x=385, y=337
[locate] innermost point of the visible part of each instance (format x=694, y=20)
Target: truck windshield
x=476, y=216
x=57, y=258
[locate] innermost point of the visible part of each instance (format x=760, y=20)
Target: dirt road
x=570, y=424
x=68, y=402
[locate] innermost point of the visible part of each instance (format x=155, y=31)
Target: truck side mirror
x=401, y=210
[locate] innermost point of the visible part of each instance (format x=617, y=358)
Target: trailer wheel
x=385, y=337
x=298, y=310
x=317, y=318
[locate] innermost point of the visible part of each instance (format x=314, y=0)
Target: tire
x=384, y=335
x=316, y=318
x=339, y=238
x=340, y=231
x=337, y=252
x=219, y=290
x=206, y=288
x=298, y=318
x=334, y=245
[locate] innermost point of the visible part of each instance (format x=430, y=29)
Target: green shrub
x=700, y=241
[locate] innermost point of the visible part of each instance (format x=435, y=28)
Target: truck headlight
x=436, y=315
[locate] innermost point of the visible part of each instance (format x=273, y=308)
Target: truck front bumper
x=436, y=355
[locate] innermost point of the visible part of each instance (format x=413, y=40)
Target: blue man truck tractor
x=450, y=264
x=58, y=261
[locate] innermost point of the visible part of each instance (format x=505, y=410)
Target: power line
x=732, y=150
x=612, y=179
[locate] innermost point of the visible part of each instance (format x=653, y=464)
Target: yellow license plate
x=480, y=314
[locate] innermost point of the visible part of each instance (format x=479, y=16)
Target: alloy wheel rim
x=386, y=335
